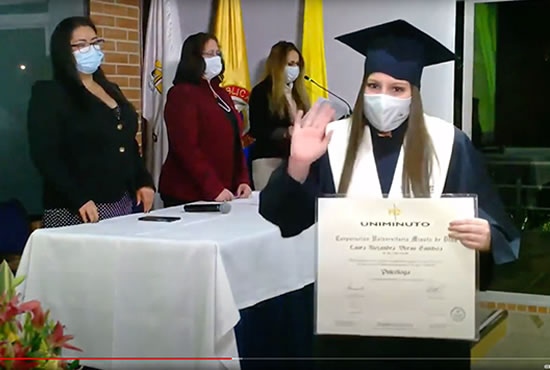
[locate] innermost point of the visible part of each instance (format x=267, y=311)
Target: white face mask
x=213, y=67
x=292, y=73
x=385, y=112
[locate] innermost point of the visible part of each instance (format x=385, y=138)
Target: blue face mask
x=88, y=62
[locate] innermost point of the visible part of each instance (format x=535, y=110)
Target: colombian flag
x=228, y=28
x=313, y=48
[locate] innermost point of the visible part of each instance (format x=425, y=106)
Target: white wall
x=345, y=66
x=267, y=22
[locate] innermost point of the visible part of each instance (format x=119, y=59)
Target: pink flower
x=3, y=354
x=19, y=352
x=11, y=310
x=29, y=306
x=57, y=339
x=38, y=316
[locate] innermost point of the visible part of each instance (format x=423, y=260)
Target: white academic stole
x=365, y=181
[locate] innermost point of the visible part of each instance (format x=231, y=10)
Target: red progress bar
x=119, y=358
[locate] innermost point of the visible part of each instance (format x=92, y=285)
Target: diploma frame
x=476, y=313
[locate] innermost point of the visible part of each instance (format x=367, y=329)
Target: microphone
x=307, y=78
x=207, y=207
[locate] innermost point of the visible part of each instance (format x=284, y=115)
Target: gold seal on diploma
x=394, y=212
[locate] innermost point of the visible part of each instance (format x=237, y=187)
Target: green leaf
x=6, y=280
x=37, y=354
x=74, y=365
x=35, y=342
x=18, y=280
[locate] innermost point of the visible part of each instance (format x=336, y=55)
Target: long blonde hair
x=417, y=147
x=275, y=69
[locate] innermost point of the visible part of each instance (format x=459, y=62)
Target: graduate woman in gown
x=389, y=146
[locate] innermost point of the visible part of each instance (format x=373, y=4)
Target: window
x=507, y=63
x=25, y=29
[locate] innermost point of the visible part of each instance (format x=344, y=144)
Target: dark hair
x=64, y=64
x=191, y=65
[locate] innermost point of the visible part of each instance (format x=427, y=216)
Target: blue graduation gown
x=291, y=205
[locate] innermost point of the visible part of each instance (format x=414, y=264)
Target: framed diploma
x=387, y=267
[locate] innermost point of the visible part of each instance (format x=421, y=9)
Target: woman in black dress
x=82, y=135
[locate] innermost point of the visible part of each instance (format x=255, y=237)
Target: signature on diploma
x=356, y=288
x=435, y=288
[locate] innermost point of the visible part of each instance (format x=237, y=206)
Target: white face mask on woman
x=386, y=112
x=213, y=67
x=292, y=73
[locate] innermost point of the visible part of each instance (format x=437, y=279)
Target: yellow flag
x=313, y=48
x=228, y=28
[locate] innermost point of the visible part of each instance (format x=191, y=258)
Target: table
x=129, y=288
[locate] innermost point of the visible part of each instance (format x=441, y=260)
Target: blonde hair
x=275, y=69
x=417, y=147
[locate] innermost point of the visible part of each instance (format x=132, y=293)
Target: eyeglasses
x=84, y=47
x=211, y=54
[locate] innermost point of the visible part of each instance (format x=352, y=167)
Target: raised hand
x=309, y=140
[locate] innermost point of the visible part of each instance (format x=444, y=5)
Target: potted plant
x=28, y=338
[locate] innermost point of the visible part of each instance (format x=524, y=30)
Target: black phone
x=159, y=218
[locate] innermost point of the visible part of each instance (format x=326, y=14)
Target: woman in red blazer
x=205, y=159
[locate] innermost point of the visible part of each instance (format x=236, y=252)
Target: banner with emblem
x=228, y=28
x=163, y=44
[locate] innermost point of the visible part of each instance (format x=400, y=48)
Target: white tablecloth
x=130, y=288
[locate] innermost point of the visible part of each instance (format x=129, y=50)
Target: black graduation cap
x=398, y=49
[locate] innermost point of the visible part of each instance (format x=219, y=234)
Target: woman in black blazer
x=273, y=104
x=82, y=135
